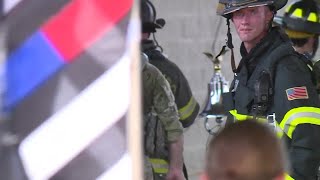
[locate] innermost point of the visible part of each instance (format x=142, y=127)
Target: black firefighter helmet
x=225, y=7
x=301, y=19
x=148, y=16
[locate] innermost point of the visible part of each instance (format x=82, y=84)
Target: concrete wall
x=192, y=27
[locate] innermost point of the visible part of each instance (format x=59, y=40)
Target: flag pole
x=134, y=120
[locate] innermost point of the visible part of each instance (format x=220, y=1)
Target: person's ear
x=270, y=15
x=204, y=176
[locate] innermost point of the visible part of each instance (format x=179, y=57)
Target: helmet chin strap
x=230, y=46
x=157, y=44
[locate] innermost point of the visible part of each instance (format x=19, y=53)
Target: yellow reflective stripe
x=287, y=177
x=279, y=131
x=239, y=117
x=288, y=8
x=297, y=13
x=243, y=117
x=313, y=17
x=187, y=110
x=300, y=115
x=160, y=166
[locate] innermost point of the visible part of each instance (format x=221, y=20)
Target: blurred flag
x=69, y=68
x=7, y=5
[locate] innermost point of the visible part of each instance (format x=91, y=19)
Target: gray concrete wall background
x=191, y=28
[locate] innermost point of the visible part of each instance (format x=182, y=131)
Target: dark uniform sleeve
x=187, y=105
x=316, y=70
x=296, y=106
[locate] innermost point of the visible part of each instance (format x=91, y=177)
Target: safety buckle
x=271, y=118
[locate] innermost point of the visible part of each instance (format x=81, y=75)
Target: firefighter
x=187, y=105
x=302, y=24
x=273, y=83
x=163, y=133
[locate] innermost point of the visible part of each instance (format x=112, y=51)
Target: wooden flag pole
x=135, y=117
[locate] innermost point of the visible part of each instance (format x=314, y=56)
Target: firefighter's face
x=252, y=23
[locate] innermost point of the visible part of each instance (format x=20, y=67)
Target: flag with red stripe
x=68, y=86
x=297, y=93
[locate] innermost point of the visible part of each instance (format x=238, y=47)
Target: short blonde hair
x=247, y=143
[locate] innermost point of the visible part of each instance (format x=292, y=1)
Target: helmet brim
x=225, y=12
x=150, y=27
x=301, y=26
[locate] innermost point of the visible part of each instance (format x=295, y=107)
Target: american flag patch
x=297, y=93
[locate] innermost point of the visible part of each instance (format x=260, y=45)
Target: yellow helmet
x=301, y=19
